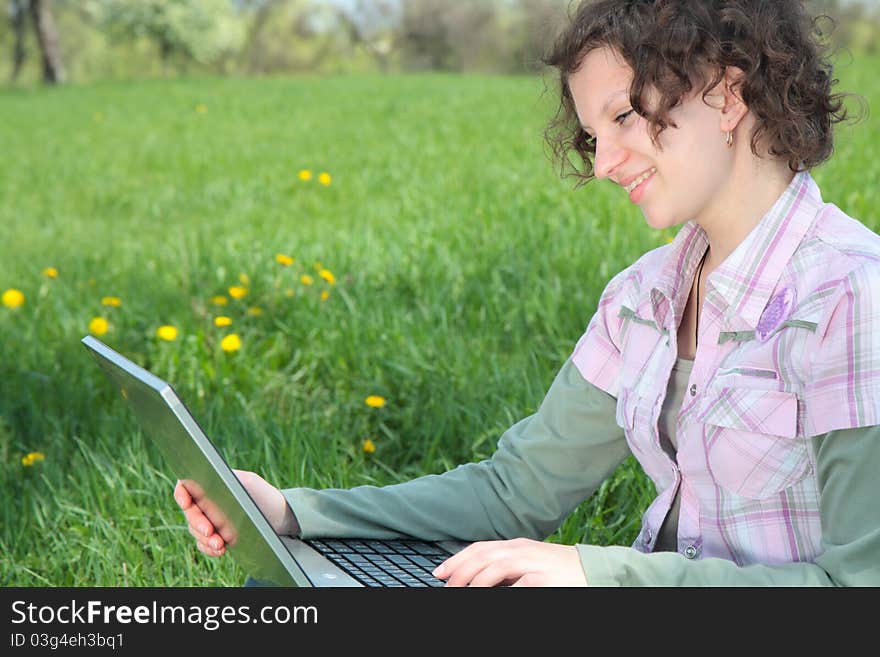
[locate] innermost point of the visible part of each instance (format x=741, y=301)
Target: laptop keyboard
x=384, y=563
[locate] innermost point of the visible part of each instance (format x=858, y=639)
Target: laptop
x=266, y=556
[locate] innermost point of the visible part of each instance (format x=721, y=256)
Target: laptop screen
x=195, y=461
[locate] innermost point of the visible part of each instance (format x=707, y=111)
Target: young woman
x=740, y=363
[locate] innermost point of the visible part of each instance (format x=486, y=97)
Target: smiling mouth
x=638, y=181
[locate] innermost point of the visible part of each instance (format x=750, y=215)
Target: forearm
x=433, y=507
x=623, y=566
x=507, y=496
x=545, y=465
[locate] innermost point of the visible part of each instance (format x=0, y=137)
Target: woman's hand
x=206, y=523
x=519, y=562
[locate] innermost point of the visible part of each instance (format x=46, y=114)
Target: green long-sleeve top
x=548, y=463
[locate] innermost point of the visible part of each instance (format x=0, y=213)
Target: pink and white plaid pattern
x=789, y=348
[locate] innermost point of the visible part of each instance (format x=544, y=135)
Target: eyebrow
x=607, y=104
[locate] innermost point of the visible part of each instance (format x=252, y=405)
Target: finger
x=499, y=572
x=213, y=514
x=506, y=561
x=214, y=541
x=228, y=534
x=210, y=551
x=197, y=520
x=193, y=488
x=198, y=535
x=182, y=496
x=529, y=580
x=466, y=571
x=472, y=551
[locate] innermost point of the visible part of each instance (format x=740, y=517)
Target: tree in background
x=143, y=38
x=445, y=35
x=198, y=30
x=855, y=22
x=289, y=36
x=41, y=17
x=538, y=22
x=18, y=17
x=370, y=25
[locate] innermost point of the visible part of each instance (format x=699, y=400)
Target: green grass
x=465, y=272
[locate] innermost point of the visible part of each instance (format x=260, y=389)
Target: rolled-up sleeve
x=597, y=354
x=843, y=391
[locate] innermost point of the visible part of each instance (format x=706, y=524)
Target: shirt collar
x=748, y=276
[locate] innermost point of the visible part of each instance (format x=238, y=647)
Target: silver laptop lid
x=193, y=458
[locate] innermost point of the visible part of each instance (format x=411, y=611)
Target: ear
x=728, y=92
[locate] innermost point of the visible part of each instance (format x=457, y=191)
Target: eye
x=620, y=119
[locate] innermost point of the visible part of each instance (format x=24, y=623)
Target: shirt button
x=690, y=552
x=693, y=390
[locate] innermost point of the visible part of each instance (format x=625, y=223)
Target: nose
x=609, y=155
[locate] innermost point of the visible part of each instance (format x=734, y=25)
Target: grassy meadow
x=445, y=267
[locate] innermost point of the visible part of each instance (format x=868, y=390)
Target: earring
x=729, y=139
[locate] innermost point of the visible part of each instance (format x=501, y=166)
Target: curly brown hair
x=675, y=46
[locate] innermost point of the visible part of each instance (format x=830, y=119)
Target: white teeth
x=638, y=181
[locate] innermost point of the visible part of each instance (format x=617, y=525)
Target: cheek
x=675, y=197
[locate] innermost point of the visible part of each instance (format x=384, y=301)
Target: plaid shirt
x=788, y=348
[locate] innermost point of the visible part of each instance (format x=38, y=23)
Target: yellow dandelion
x=669, y=240
x=167, y=332
x=51, y=272
x=285, y=260
x=99, y=326
x=305, y=279
x=325, y=179
x=375, y=401
x=255, y=311
x=222, y=321
x=289, y=293
x=369, y=446
x=201, y=108
x=244, y=278
x=318, y=266
x=31, y=458
x=13, y=298
x=305, y=174
x=328, y=276
x=325, y=294
x=219, y=300
x=238, y=292
x=230, y=343
x=111, y=301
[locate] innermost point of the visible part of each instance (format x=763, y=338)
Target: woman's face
x=691, y=170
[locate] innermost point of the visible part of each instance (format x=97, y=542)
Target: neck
x=752, y=188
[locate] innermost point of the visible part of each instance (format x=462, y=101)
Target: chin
x=659, y=221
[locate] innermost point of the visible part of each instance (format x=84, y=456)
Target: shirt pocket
x=626, y=408
x=627, y=404
x=752, y=443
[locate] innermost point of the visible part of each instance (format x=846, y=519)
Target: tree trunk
x=357, y=38
x=18, y=15
x=47, y=36
x=255, y=50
